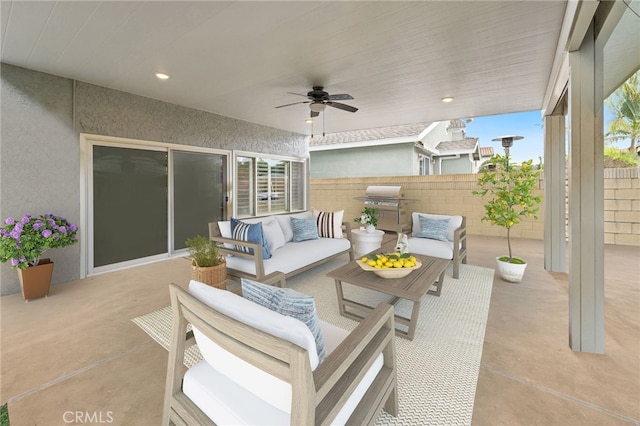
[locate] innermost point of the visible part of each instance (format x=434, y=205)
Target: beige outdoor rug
x=437, y=371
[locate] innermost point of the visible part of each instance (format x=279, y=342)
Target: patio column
x=554, y=193
x=586, y=197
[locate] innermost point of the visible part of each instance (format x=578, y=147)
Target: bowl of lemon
x=390, y=265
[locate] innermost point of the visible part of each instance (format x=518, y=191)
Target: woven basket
x=215, y=276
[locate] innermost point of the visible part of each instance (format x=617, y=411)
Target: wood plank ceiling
x=239, y=59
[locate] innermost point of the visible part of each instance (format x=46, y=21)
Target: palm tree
x=625, y=103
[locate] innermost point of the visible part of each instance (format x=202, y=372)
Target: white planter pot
x=511, y=272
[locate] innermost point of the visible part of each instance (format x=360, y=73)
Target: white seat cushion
x=293, y=256
x=429, y=247
x=265, y=386
x=226, y=403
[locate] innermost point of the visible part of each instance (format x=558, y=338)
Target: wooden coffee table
x=413, y=287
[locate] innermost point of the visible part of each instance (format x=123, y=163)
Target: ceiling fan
x=319, y=99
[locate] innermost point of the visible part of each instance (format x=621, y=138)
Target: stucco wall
x=40, y=157
x=383, y=160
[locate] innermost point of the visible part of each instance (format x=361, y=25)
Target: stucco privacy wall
x=40, y=155
x=451, y=194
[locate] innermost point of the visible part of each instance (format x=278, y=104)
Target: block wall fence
x=451, y=194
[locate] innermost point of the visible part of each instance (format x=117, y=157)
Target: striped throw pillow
x=251, y=232
x=329, y=223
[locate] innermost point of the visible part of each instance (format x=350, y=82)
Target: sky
x=527, y=124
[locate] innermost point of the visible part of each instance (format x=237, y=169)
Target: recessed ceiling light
x=447, y=99
x=308, y=121
x=162, y=76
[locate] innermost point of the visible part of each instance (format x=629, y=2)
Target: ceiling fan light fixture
x=317, y=106
x=447, y=99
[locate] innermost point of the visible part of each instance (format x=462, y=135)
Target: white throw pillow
x=273, y=233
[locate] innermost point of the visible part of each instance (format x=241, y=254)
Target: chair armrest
x=256, y=255
x=460, y=236
x=358, y=351
x=346, y=227
x=276, y=278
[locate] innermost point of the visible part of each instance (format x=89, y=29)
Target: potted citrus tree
x=209, y=266
x=23, y=242
x=510, y=193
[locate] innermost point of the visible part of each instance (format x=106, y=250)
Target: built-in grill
x=391, y=204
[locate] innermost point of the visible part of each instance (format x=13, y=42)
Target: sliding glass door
x=129, y=204
x=145, y=201
x=199, y=194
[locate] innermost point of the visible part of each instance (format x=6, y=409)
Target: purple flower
x=15, y=234
x=19, y=226
x=9, y=221
x=26, y=218
x=51, y=222
x=37, y=225
x=14, y=262
x=63, y=229
x=46, y=233
x=73, y=228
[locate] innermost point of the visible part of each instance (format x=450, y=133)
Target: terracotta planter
x=36, y=280
x=511, y=272
x=215, y=276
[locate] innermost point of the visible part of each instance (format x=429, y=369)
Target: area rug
x=437, y=371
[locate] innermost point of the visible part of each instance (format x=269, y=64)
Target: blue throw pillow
x=435, y=229
x=304, y=229
x=251, y=232
x=287, y=302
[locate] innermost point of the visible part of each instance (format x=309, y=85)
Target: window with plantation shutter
x=266, y=185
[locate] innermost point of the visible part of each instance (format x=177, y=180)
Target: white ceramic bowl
x=390, y=272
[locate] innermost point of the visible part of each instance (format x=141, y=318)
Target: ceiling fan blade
x=344, y=107
x=298, y=94
x=295, y=103
x=340, y=97
x=314, y=114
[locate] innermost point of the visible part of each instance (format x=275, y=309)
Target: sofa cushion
x=329, y=223
x=285, y=223
x=429, y=247
x=293, y=256
x=436, y=229
x=454, y=222
x=304, y=229
x=250, y=232
x=263, y=385
x=287, y=302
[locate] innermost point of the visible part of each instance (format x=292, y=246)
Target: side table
x=366, y=242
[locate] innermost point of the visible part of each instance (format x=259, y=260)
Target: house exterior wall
x=384, y=160
x=456, y=165
x=40, y=150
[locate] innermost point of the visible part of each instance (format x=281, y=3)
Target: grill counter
x=391, y=204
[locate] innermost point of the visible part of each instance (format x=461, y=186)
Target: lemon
x=388, y=264
x=397, y=264
x=372, y=263
x=365, y=259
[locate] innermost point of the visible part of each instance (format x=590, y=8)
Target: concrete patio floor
x=76, y=357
